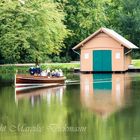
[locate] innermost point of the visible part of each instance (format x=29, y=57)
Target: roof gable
x=113, y=35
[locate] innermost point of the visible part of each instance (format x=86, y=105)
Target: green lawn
x=136, y=62
x=64, y=66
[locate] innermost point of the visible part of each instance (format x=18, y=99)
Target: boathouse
x=105, y=51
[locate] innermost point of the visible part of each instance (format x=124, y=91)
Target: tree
x=130, y=22
x=83, y=17
x=29, y=30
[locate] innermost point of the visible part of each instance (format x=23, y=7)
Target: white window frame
x=86, y=55
x=118, y=55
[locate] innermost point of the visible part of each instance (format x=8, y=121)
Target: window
x=118, y=55
x=86, y=56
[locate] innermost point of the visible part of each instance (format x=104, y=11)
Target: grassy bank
x=66, y=67
x=136, y=63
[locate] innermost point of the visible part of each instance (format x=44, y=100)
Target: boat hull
x=38, y=79
x=28, y=82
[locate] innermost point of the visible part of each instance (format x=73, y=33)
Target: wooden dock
x=134, y=70
x=88, y=72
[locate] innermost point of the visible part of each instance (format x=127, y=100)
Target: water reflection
x=104, y=93
x=37, y=95
x=76, y=106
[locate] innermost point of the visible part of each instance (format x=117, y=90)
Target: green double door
x=102, y=60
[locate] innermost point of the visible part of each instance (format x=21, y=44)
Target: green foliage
x=63, y=66
x=59, y=59
x=31, y=30
x=82, y=18
x=128, y=22
x=128, y=19
x=8, y=69
x=36, y=29
x=136, y=63
x=136, y=54
x=85, y=17
x=24, y=69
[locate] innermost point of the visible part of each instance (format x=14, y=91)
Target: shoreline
x=13, y=68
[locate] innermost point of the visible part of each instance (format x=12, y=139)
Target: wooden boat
x=26, y=82
x=39, y=79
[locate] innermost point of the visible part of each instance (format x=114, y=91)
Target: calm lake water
x=95, y=107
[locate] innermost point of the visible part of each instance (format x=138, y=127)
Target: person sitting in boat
x=32, y=70
x=53, y=73
x=48, y=72
x=38, y=70
x=44, y=73
x=57, y=74
x=60, y=72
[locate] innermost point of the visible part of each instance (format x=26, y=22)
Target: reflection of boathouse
x=104, y=93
